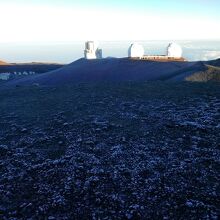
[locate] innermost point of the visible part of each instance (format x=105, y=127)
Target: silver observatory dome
x=174, y=50
x=136, y=50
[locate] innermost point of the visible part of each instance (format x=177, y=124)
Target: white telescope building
x=92, y=51
x=136, y=51
x=174, y=53
x=174, y=50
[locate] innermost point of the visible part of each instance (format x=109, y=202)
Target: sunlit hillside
x=3, y=63
x=211, y=74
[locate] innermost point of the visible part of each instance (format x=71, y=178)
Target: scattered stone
x=189, y=204
x=140, y=154
x=24, y=130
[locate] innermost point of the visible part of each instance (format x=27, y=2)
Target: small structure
x=92, y=51
x=5, y=76
x=135, y=51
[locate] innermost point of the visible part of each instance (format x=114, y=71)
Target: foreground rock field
x=110, y=151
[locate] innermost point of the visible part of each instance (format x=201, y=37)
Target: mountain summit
x=2, y=63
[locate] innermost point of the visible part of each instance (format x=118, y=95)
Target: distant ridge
x=114, y=70
x=37, y=68
x=3, y=63
x=38, y=63
x=214, y=62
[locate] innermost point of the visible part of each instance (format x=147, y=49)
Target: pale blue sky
x=197, y=7
x=68, y=20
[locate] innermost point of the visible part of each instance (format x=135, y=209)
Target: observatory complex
x=174, y=53
x=136, y=52
x=92, y=51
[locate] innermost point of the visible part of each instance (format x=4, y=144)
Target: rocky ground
x=123, y=151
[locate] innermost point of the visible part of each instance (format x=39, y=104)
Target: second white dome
x=174, y=50
x=136, y=50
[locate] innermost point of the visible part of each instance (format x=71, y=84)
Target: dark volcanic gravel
x=122, y=151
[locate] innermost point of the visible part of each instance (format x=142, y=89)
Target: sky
x=68, y=20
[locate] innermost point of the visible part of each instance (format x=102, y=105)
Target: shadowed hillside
x=35, y=67
x=18, y=71
x=121, y=70
x=214, y=62
x=111, y=70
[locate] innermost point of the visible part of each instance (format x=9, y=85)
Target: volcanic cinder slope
x=114, y=70
x=132, y=150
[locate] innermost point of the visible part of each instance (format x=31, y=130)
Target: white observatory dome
x=174, y=50
x=136, y=50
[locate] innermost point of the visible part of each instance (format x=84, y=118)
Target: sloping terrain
x=34, y=67
x=110, y=151
x=110, y=70
x=3, y=63
x=183, y=73
x=212, y=73
x=214, y=62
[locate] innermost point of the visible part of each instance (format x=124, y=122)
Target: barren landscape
x=118, y=70
x=109, y=110
x=129, y=150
